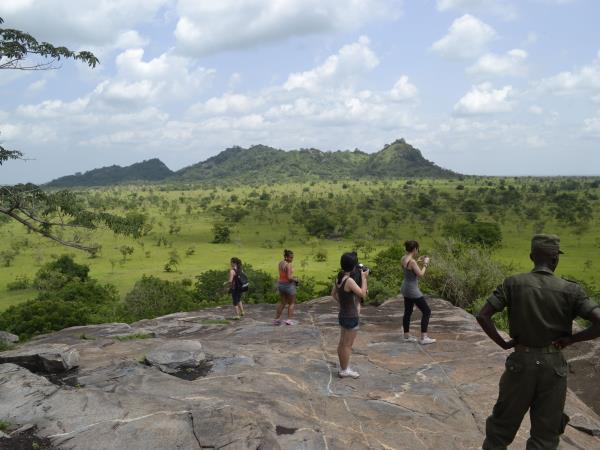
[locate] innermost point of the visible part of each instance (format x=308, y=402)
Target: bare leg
x=345, y=347
x=291, y=303
x=241, y=308
x=280, y=306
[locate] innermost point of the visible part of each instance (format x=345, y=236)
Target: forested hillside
x=260, y=164
x=150, y=170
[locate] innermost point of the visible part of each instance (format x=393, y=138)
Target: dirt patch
x=193, y=373
x=26, y=440
x=68, y=378
x=284, y=430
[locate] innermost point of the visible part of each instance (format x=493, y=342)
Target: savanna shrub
x=152, y=297
x=75, y=303
x=462, y=273
x=486, y=234
x=221, y=234
x=21, y=282
x=56, y=274
x=387, y=275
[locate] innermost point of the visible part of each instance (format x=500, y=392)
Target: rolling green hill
x=260, y=164
x=263, y=164
x=150, y=170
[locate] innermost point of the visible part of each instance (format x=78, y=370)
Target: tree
x=49, y=213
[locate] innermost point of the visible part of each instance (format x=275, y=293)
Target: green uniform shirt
x=541, y=306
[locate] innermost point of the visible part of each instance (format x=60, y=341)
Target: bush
x=209, y=286
x=152, y=297
x=221, y=233
x=321, y=255
x=462, y=274
x=56, y=274
x=486, y=234
x=387, y=275
x=21, y=282
x=173, y=263
x=75, y=303
x=319, y=223
x=7, y=257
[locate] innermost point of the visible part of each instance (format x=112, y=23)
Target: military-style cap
x=549, y=243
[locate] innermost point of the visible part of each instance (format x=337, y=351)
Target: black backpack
x=241, y=280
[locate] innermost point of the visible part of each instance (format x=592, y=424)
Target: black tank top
x=348, y=302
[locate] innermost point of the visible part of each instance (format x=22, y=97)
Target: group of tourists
x=349, y=289
x=541, y=309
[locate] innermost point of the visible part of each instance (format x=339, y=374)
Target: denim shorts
x=287, y=288
x=349, y=323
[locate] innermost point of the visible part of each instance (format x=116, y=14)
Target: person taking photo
x=348, y=295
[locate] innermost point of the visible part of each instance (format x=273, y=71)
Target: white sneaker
x=426, y=340
x=409, y=338
x=348, y=373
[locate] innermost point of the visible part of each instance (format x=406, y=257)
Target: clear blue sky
x=493, y=87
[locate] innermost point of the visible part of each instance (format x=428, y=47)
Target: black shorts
x=236, y=296
x=349, y=323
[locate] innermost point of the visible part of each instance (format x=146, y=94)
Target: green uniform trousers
x=533, y=381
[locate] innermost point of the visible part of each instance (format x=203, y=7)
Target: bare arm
x=290, y=272
x=361, y=291
x=484, y=318
x=420, y=272
x=591, y=332
x=231, y=275
x=334, y=292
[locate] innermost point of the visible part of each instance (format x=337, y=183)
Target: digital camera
x=363, y=268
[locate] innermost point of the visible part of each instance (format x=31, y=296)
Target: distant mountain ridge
x=150, y=170
x=260, y=164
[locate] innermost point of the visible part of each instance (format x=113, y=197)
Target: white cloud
x=535, y=141
x=229, y=103
x=205, y=27
x=404, y=89
x=37, y=86
x=130, y=39
x=501, y=8
x=484, y=99
x=351, y=61
x=591, y=126
x=84, y=22
x=537, y=110
x=583, y=80
x=165, y=78
x=510, y=64
x=467, y=37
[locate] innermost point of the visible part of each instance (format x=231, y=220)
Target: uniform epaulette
x=570, y=281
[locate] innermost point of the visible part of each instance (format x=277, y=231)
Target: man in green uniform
x=541, y=310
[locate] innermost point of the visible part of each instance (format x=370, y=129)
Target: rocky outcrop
x=174, y=356
x=8, y=338
x=275, y=387
x=44, y=358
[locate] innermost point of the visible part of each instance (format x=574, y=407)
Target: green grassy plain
x=270, y=226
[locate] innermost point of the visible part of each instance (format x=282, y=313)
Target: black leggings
x=409, y=304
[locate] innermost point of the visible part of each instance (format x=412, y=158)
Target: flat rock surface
x=275, y=387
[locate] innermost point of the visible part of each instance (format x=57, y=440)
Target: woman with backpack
x=348, y=294
x=286, y=286
x=236, y=286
